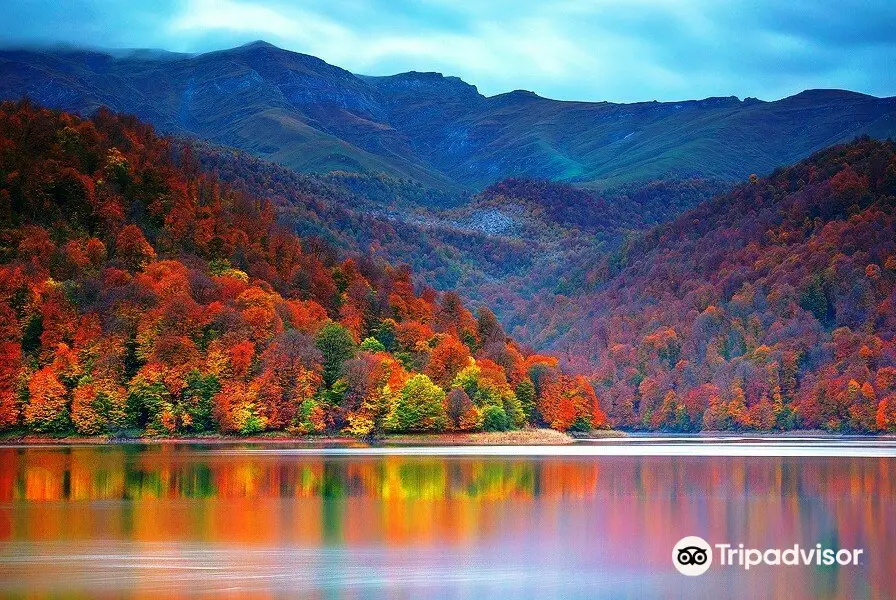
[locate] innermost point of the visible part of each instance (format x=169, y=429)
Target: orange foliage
x=132, y=249
x=47, y=404
x=241, y=356
x=10, y=363
x=569, y=402
x=446, y=360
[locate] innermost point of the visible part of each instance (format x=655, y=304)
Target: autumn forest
x=145, y=292
x=139, y=294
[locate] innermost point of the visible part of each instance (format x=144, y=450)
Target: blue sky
x=617, y=50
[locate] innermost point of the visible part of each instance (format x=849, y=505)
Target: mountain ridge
x=304, y=113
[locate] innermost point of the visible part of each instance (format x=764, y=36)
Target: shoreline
x=524, y=437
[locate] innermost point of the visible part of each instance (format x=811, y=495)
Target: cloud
x=483, y=49
x=621, y=50
x=257, y=20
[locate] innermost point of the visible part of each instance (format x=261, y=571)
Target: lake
x=591, y=520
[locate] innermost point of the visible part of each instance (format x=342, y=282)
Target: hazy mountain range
x=299, y=111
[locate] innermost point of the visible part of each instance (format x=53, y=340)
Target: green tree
x=147, y=403
x=420, y=407
x=337, y=346
x=494, y=418
x=197, y=401
x=385, y=334
x=516, y=417
x=814, y=299
x=31, y=335
x=372, y=345
x=525, y=393
x=468, y=380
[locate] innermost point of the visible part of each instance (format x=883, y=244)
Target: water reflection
x=177, y=520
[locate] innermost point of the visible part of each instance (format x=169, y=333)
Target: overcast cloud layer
x=618, y=50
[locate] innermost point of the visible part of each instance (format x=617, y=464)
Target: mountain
x=769, y=306
x=301, y=112
x=140, y=293
x=287, y=107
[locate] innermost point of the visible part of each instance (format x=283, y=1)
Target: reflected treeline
x=582, y=508
x=180, y=471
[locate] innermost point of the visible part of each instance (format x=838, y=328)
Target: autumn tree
x=570, y=403
x=419, y=407
x=463, y=414
x=10, y=363
x=885, y=417
x=236, y=410
x=446, y=360
x=47, y=410
x=132, y=249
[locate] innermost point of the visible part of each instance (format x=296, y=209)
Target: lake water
x=592, y=520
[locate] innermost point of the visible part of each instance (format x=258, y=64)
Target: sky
x=616, y=50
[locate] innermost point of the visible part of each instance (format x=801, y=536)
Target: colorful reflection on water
x=149, y=521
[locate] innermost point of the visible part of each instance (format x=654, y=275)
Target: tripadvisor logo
x=692, y=556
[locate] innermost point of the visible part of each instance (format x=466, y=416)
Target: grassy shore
x=522, y=437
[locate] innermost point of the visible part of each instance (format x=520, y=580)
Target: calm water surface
x=151, y=521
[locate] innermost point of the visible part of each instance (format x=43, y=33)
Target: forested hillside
x=160, y=286
x=516, y=240
x=139, y=293
x=770, y=307
x=372, y=213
